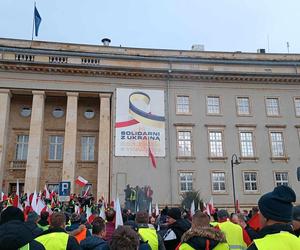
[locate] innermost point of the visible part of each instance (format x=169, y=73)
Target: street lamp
x=234, y=161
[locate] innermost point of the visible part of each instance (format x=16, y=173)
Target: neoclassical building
x=97, y=111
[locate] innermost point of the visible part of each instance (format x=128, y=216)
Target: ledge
x=283, y=158
x=185, y=158
x=225, y=158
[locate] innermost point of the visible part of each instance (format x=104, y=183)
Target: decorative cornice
x=130, y=73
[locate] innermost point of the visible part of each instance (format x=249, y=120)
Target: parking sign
x=64, y=191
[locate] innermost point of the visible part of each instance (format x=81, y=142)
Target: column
x=34, y=157
x=103, y=177
x=69, y=162
x=4, y=118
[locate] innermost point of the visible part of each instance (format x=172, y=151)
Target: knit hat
x=277, y=205
x=174, y=213
x=296, y=213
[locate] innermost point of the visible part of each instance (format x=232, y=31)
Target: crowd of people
x=65, y=226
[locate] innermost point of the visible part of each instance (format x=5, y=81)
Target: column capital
x=72, y=94
x=38, y=92
x=5, y=91
x=104, y=95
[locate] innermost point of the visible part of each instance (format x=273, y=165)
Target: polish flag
x=47, y=194
x=86, y=191
x=3, y=197
x=40, y=206
x=152, y=158
x=192, y=211
x=210, y=206
x=118, y=218
x=16, y=201
x=89, y=216
x=81, y=181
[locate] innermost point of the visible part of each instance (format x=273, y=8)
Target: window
x=281, y=178
x=297, y=106
x=250, y=181
x=277, y=144
x=184, y=140
x=25, y=111
x=87, y=148
x=218, y=181
x=243, y=105
x=56, y=147
x=213, y=105
x=183, y=104
x=246, y=144
x=89, y=113
x=272, y=106
x=186, y=182
x=22, y=148
x=216, y=144
x=58, y=112
x=53, y=187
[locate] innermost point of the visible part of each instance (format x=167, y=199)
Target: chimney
x=261, y=51
x=198, y=47
x=106, y=41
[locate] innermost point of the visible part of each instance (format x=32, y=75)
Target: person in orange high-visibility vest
x=276, y=210
x=79, y=231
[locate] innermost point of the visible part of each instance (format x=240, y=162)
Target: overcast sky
x=221, y=25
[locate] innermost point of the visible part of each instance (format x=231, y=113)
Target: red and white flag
x=86, y=191
x=152, y=158
x=3, y=197
x=47, y=194
x=81, y=181
x=16, y=201
x=210, y=206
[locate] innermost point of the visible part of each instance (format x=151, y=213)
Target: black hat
x=11, y=213
x=296, y=213
x=277, y=205
x=174, y=213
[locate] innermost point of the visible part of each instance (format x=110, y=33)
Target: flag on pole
x=151, y=155
x=86, y=191
x=117, y=208
x=150, y=210
x=102, y=212
x=193, y=208
x=34, y=201
x=37, y=20
x=156, y=210
x=81, y=181
x=47, y=194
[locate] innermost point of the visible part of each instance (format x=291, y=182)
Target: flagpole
x=33, y=22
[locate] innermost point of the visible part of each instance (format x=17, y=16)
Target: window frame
x=82, y=159
x=56, y=146
x=179, y=180
x=296, y=98
x=184, y=128
x=266, y=107
x=21, y=143
x=220, y=129
x=277, y=129
x=189, y=104
x=237, y=106
x=280, y=171
x=220, y=105
x=247, y=129
x=257, y=182
x=212, y=183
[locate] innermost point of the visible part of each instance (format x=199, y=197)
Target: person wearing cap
x=202, y=235
x=275, y=215
x=147, y=231
x=177, y=226
x=296, y=220
x=235, y=235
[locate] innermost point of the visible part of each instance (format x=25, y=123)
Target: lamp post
x=234, y=161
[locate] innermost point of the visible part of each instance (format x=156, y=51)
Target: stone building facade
x=58, y=114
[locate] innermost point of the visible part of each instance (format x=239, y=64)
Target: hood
x=197, y=238
x=14, y=234
x=92, y=242
x=181, y=225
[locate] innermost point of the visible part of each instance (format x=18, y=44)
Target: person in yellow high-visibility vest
x=147, y=231
x=275, y=215
x=202, y=235
x=56, y=238
x=235, y=236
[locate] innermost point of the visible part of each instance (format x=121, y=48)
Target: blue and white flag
x=37, y=20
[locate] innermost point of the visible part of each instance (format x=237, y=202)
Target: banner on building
x=140, y=122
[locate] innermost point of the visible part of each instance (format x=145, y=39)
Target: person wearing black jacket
x=56, y=237
x=14, y=233
x=176, y=228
